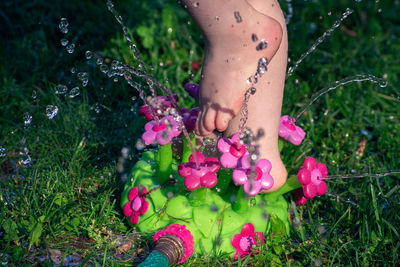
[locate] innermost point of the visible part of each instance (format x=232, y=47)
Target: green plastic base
x=213, y=216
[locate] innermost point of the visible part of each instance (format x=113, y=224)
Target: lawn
x=64, y=156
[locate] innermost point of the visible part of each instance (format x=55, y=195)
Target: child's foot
x=235, y=41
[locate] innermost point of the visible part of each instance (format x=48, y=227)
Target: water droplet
x=2, y=152
x=61, y=89
x=88, y=54
x=51, y=111
x=64, y=42
x=254, y=37
x=34, y=94
x=70, y=48
x=253, y=90
x=63, y=25
x=74, y=92
x=140, y=145
x=262, y=45
x=237, y=16
x=103, y=68
x=27, y=119
x=73, y=70
x=99, y=61
x=115, y=80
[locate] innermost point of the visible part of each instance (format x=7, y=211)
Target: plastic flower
x=204, y=176
x=232, y=150
x=189, y=117
x=245, y=242
x=193, y=90
x=182, y=233
x=137, y=204
x=289, y=131
x=311, y=176
x=160, y=104
x=163, y=131
x=262, y=180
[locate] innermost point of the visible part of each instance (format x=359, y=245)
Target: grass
x=65, y=202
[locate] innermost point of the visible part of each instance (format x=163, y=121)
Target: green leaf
x=35, y=234
x=11, y=229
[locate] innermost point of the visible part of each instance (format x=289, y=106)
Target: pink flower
x=298, y=197
x=263, y=180
x=163, y=131
x=246, y=240
x=205, y=176
x=232, y=150
x=290, y=132
x=311, y=176
x=189, y=117
x=182, y=233
x=193, y=90
x=160, y=104
x=137, y=204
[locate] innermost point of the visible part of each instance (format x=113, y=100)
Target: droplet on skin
x=237, y=17
x=254, y=37
x=262, y=45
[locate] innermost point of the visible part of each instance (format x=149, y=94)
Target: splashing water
x=51, y=111
x=356, y=78
x=141, y=72
x=319, y=41
x=363, y=175
x=61, y=89
x=63, y=25
x=27, y=119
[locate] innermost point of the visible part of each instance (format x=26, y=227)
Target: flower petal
x=310, y=190
x=212, y=164
x=148, y=137
x=224, y=144
x=134, y=192
x=252, y=188
x=264, y=165
x=235, y=241
x=248, y=230
x=310, y=163
x=304, y=176
x=135, y=218
x=321, y=188
x=267, y=181
x=322, y=168
x=192, y=182
x=228, y=161
x=128, y=210
x=200, y=157
x=239, y=176
x=144, y=208
x=209, y=180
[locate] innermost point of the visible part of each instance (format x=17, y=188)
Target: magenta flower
x=137, y=204
x=182, y=233
x=204, y=176
x=193, y=90
x=160, y=105
x=263, y=180
x=245, y=242
x=311, y=176
x=290, y=132
x=232, y=150
x=189, y=117
x=298, y=197
x=162, y=131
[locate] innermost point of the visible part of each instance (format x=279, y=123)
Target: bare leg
x=265, y=106
x=231, y=56
x=233, y=31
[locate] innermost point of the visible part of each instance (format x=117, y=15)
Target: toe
x=222, y=121
x=209, y=120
